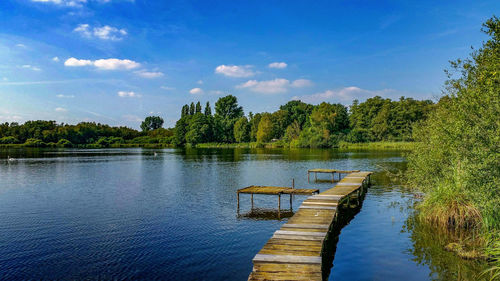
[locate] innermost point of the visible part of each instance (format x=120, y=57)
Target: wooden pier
x=274, y=190
x=295, y=251
x=329, y=171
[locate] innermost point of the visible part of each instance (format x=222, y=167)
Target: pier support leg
x=308, y=177
x=252, y=200
x=315, y=176
x=333, y=177
x=291, y=208
x=279, y=205
x=238, y=200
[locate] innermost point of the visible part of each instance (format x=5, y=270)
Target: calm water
x=126, y=214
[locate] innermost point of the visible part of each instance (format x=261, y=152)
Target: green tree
x=191, y=109
x=227, y=107
x=242, y=130
x=198, y=107
x=151, y=123
x=185, y=110
x=208, y=109
x=457, y=158
x=254, y=125
x=265, y=131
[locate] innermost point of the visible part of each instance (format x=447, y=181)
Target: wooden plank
x=300, y=233
x=319, y=226
x=317, y=207
x=298, y=237
x=348, y=183
x=287, y=259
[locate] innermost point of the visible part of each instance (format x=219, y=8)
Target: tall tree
x=265, y=131
x=242, y=130
x=191, y=109
x=198, y=107
x=151, y=123
x=185, y=110
x=208, y=109
x=227, y=107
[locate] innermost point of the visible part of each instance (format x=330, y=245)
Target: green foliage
x=254, y=125
x=227, y=108
x=198, y=107
x=457, y=157
x=242, y=130
x=208, y=109
x=292, y=131
x=9, y=140
x=34, y=143
x=265, y=130
x=151, y=123
x=64, y=143
x=191, y=109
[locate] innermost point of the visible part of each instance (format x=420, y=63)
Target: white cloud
x=21, y=45
x=104, y=32
x=199, y=82
x=235, y=70
x=55, y=59
x=125, y=94
x=276, y=86
x=217, y=92
x=77, y=62
x=60, y=109
x=149, y=74
x=116, y=64
x=105, y=64
x=31, y=67
x=279, y=65
x=69, y=3
x=345, y=94
x=61, y=96
x=196, y=91
x=167, y=88
x=299, y=83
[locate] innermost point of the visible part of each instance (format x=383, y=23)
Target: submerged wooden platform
x=294, y=252
x=329, y=171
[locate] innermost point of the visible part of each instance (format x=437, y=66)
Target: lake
x=128, y=214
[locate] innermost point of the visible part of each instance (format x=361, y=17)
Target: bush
x=64, y=143
x=8, y=140
x=34, y=143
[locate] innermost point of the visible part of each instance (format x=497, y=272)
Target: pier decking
x=295, y=251
x=274, y=190
x=329, y=171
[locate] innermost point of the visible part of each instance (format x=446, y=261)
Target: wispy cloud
x=60, y=109
x=276, y=86
x=279, y=65
x=125, y=94
x=105, y=64
x=235, y=70
x=149, y=74
x=68, y=3
x=56, y=59
x=345, y=94
x=105, y=32
x=31, y=67
x=61, y=96
x=167, y=88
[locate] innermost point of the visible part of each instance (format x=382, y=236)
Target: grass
x=379, y=145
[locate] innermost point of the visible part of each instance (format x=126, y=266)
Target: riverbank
x=342, y=145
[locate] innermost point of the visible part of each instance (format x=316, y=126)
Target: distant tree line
x=296, y=123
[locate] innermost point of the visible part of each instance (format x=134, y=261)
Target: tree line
x=296, y=123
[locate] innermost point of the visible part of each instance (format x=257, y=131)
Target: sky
x=116, y=62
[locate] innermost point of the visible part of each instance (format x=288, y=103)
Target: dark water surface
x=127, y=214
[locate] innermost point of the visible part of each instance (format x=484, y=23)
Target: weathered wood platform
x=329, y=171
x=274, y=190
x=294, y=252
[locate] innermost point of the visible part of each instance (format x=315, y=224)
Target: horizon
x=117, y=62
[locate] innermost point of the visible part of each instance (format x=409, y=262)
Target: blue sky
x=117, y=62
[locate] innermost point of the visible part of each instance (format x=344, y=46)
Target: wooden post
x=315, y=176
x=252, y=200
x=291, y=208
x=293, y=183
x=238, y=196
x=279, y=205
x=307, y=176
